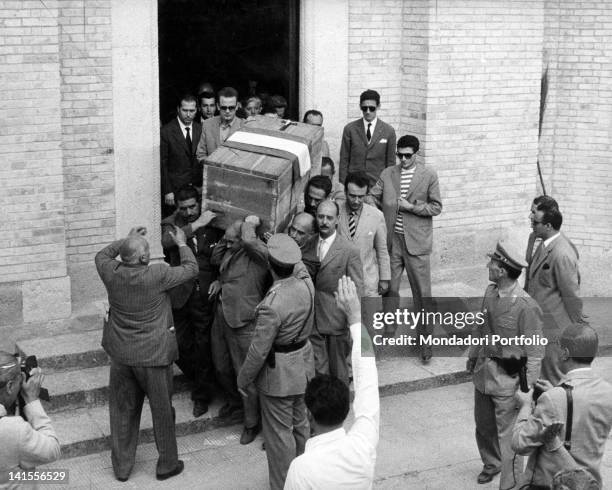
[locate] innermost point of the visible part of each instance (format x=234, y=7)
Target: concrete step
x=67, y=351
x=88, y=387
x=86, y=430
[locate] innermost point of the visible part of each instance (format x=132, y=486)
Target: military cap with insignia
x=508, y=254
x=283, y=250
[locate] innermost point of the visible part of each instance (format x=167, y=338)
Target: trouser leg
x=339, y=348
x=157, y=383
x=222, y=360
x=486, y=432
x=419, y=275
x=550, y=369
x=319, y=349
x=277, y=422
x=301, y=427
x=202, y=315
x=239, y=341
x=125, y=406
x=511, y=464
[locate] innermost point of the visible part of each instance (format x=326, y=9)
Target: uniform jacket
x=508, y=317
x=210, y=139
x=554, y=282
x=201, y=244
x=424, y=193
x=591, y=423
x=285, y=315
x=371, y=240
x=137, y=332
x=26, y=444
x=356, y=155
x=244, y=277
x=342, y=258
x=178, y=166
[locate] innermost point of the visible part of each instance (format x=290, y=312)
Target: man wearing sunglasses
x=409, y=196
x=368, y=144
x=217, y=129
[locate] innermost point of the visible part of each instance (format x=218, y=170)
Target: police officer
x=509, y=312
x=280, y=358
x=192, y=302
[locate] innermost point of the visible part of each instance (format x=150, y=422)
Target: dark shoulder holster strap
x=570, y=416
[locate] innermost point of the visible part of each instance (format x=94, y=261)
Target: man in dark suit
x=217, y=129
x=590, y=417
x=280, y=357
x=368, y=144
x=244, y=279
x=140, y=341
x=409, y=196
x=554, y=282
x=338, y=257
x=192, y=305
x=178, y=143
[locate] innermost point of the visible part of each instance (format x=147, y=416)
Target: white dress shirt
x=324, y=245
x=341, y=459
x=372, y=127
x=183, y=128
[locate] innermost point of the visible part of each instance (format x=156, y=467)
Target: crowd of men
x=272, y=322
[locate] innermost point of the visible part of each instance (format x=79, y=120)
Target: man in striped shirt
x=409, y=196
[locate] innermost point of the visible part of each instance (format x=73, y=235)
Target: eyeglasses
x=404, y=156
x=227, y=107
x=368, y=108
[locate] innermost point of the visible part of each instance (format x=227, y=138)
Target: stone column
x=324, y=64
x=136, y=118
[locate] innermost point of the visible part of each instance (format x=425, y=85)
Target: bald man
x=25, y=444
x=338, y=257
x=140, y=340
x=302, y=227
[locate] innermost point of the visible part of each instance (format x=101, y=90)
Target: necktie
x=351, y=223
x=369, y=133
x=320, y=251
x=188, y=139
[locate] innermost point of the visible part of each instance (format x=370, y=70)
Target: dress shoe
x=176, y=471
x=122, y=479
x=486, y=477
x=229, y=410
x=249, y=434
x=199, y=408
x=426, y=354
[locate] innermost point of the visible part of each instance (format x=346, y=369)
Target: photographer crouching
x=25, y=443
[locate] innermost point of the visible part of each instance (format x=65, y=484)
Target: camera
x=26, y=365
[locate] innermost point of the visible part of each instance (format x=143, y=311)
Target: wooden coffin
x=243, y=180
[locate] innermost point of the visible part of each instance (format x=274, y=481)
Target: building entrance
x=251, y=45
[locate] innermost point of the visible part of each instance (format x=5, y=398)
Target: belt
x=290, y=347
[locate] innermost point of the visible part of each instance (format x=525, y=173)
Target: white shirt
x=372, y=127
x=341, y=459
x=325, y=244
x=548, y=241
x=183, y=128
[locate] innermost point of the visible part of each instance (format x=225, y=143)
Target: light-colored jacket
x=424, y=193
x=23, y=445
x=371, y=239
x=210, y=139
x=591, y=424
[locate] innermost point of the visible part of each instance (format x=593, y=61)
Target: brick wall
x=576, y=139
x=87, y=138
x=375, y=44
x=32, y=244
x=483, y=84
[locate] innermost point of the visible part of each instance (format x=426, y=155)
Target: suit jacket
x=424, y=193
x=532, y=247
x=554, y=282
x=26, y=444
x=244, y=277
x=357, y=155
x=138, y=329
x=210, y=138
x=285, y=316
x=201, y=244
x=178, y=165
x=371, y=240
x=341, y=259
x=591, y=423
x=507, y=317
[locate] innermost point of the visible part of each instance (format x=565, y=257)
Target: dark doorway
x=228, y=43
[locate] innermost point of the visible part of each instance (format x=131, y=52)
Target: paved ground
x=427, y=443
